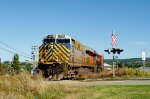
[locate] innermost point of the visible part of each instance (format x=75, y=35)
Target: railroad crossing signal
x=114, y=50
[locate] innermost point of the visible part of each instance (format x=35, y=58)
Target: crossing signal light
x=114, y=50
x=119, y=51
x=109, y=51
x=32, y=52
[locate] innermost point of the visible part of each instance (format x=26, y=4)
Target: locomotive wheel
x=58, y=76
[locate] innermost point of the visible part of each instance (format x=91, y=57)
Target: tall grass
x=121, y=72
x=25, y=86
x=133, y=73
x=20, y=86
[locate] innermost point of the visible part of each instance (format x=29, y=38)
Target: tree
x=120, y=65
x=15, y=63
x=26, y=66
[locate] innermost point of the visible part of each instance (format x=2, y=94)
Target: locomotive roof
x=57, y=36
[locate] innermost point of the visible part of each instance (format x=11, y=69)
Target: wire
x=7, y=45
x=14, y=52
x=12, y=48
x=13, y=37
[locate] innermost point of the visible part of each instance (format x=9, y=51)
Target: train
x=61, y=56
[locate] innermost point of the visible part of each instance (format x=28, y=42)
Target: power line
x=7, y=45
x=11, y=36
x=14, y=52
x=11, y=47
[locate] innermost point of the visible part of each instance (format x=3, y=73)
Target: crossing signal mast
x=114, y=50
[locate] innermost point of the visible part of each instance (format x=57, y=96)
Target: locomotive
x=61, y=56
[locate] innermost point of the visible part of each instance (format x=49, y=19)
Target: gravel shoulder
x=94, y=83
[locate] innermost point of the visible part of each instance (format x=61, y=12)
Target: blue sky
x=24, y=23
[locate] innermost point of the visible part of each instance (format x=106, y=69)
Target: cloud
x=138, y=43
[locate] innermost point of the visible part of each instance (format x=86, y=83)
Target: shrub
x=121, y=72
x=21, y=84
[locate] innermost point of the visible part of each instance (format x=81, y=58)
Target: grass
x=120, y=92
x=25, y=86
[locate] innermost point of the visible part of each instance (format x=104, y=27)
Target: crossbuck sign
x=114, y=40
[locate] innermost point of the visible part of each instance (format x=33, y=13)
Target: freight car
x=60, y=56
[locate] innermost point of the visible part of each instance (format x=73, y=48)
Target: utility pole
x=35, y=56
x=144, y=58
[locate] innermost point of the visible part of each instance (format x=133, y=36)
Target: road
x=94, y=83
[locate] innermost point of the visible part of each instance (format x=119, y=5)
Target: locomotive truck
x=60, y=56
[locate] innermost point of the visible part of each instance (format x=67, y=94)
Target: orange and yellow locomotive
x=61, y=56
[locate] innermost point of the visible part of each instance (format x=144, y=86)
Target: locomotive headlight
x=52, y=46
x=42, y=60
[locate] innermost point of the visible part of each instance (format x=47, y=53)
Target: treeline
x=15, y=67
x=129, y=63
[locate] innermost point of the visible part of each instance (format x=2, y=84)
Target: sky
x=24, y=23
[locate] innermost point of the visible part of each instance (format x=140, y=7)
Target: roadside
x=94, y=83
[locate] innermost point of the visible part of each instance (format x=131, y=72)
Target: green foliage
x=134, y=65
x=148, y=64
x=130, y=63
x=119, y=92
x=15, y=63
x=26, y=66
x=120, y=65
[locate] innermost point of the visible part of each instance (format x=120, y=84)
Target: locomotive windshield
x=46, y=41
x=63, y=40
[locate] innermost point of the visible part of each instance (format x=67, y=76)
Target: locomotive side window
x=46, y=41
x=63, y=40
